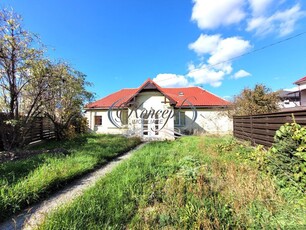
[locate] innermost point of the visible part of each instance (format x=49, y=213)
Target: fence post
x=41, y=128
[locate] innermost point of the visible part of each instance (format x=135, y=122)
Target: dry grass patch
x=192, y=183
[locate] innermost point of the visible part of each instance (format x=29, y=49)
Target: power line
x=242, y=55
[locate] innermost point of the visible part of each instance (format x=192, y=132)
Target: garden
x=196, y=182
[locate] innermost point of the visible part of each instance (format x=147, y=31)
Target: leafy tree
x=256, y=101
x=17, y=57
x=31, y=85
x=66, y=97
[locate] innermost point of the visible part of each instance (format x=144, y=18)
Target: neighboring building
x=289, y=99
x=153, y=112
x=294, y=97
x=301, y=83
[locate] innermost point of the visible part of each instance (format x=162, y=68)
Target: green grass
x=27, y=181
x=192, y=183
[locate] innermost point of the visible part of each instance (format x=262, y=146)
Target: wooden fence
x=260, y=129
x=41, y=128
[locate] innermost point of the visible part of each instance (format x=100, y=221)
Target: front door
x=150, y=127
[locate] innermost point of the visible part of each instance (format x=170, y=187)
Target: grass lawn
x=191, y=183
x=27, y=181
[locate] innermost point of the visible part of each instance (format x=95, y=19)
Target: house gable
x=150, y=85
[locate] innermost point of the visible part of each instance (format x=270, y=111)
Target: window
x=98, y=120
x=156, y=122
x=179, y=118
x=145, y=124
x=124, y=117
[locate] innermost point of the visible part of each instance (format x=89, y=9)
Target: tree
x=17, y=58
x=31, y=85
x=66, y=97
x=257, y=101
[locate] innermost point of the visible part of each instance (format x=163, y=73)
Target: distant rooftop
x=300, y=81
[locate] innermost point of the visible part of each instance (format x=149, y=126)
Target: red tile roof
x=196, y=96
x=298, y=82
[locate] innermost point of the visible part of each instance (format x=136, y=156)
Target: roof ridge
x=188, y=87
x=158, y=87
x=212, y=94
x=129, y=88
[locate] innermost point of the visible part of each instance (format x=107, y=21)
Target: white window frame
x=179, y=116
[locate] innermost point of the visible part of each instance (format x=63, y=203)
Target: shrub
x=287, y=159
x=70, y=132
x=260, y=156
x=81, y=124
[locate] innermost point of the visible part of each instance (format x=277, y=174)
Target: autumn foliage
x=259, y=100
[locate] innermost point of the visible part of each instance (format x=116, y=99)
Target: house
x=289, y=99
x=301, y=83
x=295, y=96
x=154, y=112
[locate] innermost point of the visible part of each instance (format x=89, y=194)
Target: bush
x=287, y=158
x=70, y=132
x=81, y=124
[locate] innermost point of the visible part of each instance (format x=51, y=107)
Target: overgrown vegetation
x=192, y=183
x=259, y=100
x=31, y=85
x=27, y=181
x=286, y=159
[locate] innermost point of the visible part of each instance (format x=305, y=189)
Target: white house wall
x=106, y=127
x=303, y=98
x=152, y=100
x=214, y=121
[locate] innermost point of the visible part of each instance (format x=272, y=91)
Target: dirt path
x=32, y=217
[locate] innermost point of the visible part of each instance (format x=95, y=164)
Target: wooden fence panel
x=40, y=129
x=261, y=128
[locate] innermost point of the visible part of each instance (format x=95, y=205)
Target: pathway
x=32, y=217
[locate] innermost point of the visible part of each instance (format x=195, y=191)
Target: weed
x=186, y=184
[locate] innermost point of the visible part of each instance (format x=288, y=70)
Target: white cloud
x=205, y=44
x=210, y=14
x=171, y=80
x=241, y=74
x=217, y=53
x=229, y=48
x=203, y=74
x=281, y=22
x=220, y=51
x=259, y=7
x=256, y=16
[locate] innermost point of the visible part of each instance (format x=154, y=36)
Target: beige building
x=153, y=112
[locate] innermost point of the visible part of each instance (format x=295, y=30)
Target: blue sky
x=120, y=43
